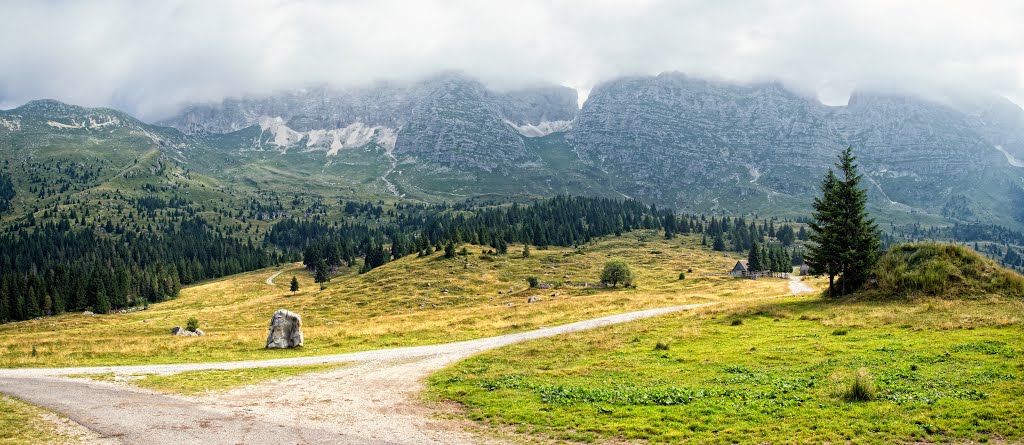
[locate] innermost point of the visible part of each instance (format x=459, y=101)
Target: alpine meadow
x=450, y=222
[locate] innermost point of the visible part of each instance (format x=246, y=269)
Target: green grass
x=25, y=424
x=940, y=370
x=206, y=381
x=933, y=269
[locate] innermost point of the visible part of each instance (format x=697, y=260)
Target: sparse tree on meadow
x=615, y=272
x=295, y=285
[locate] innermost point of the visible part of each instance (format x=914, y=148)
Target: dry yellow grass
x=25, y=424
x=401, y=304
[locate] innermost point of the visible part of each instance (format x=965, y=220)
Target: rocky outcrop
x=701, y=145
x=285, y=330
x=182, y=332
x=450, y=119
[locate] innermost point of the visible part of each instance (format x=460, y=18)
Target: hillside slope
x=411, y=301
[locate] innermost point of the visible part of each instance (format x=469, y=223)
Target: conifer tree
x=295, y=285
x=754, y=258
x=845, y=238
x=719, y=244
x=321, y=273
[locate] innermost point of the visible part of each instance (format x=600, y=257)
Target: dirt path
x=270, y=280
x=798, y=287
x=371, y=402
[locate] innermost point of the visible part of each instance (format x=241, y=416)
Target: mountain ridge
x=693, y=144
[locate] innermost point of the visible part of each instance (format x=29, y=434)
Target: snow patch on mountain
x=10, y=124
x=1010, y=159
x=92, y=124
x=283, y=136
x=542, y=129
x=354, y=135
x=73, y=124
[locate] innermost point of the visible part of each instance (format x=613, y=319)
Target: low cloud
x=150, y=58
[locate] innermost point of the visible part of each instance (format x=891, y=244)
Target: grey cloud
x=150, y=58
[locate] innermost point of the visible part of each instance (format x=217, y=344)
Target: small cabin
x=804, y=270
x=740, y=269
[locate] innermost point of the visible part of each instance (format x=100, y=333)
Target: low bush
x=192, y=324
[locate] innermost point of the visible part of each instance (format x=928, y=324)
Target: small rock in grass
x=87, y=313
x=532, y=300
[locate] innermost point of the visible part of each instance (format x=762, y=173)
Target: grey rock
x=285, y=330
x=699, y=145
x=532, y=300
x=182, y=332
x=87, y=313
x=450, y=120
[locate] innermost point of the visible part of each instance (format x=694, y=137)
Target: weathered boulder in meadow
x=182, y=332
x=285, y=330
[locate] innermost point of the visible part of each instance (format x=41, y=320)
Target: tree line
x=559, y=221
x=49, y=270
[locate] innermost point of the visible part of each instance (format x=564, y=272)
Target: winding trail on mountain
x=373, y=400
x=270, y=280
x=391, y=169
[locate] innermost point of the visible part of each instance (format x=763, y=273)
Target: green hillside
x=940, y=368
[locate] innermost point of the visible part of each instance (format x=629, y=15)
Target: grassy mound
x=942, y=270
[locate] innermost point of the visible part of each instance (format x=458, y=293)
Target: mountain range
x=691, y=144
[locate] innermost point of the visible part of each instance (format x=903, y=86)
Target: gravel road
x=371, y=401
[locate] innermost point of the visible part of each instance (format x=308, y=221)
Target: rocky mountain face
x=688, y=143
x=1000, y=121
x=449, y=119
x=684, y=141
x=50, y=124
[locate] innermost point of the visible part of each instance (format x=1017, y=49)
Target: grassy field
x=779, y=372
x=412, y=301
x=24, y=424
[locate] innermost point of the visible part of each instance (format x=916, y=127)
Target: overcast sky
x=150, y=57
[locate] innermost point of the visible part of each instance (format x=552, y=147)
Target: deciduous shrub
x=192, y=324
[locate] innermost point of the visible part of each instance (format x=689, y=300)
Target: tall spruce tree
x=754, y=258
x=321, y=275
x=845, y=238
